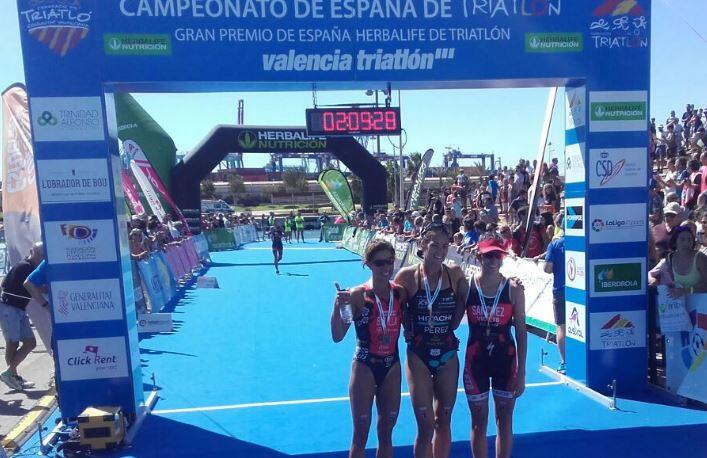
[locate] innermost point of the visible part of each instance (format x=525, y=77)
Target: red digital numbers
x=360, y=121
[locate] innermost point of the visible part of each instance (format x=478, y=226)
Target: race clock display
x=353, y=121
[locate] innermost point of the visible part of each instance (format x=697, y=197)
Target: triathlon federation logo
x=59, y=24
x=617, y=322
x=621, y=24
x=247, y=140
x=82, y=233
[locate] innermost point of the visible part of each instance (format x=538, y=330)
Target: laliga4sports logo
x=59, y=24
x=83, y=234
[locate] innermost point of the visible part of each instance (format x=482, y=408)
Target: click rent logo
x=132, y=44
x=618, y=111
x=93, y=357
x=553, y=42
x=618, y=278
x=58, y=24
x=619, y=24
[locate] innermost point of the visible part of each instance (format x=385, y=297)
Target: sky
x=506, y=122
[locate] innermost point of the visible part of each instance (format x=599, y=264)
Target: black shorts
x=558, y=306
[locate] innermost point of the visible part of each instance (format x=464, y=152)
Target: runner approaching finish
x=377, y=313
x=299, y=224
x=276, y=237
x=493, y=304
x=434, y=311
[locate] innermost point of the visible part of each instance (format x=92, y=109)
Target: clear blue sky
x=506, y=122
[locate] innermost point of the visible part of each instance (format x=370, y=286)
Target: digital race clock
x=353, y=121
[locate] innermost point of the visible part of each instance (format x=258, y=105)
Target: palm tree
x=413, y=164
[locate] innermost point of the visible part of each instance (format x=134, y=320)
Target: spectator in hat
x=673, y=217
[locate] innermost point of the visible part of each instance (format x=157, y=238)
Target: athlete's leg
x=421, y=393
x=479, y=423
x=504, y=426
x=388, y=405
x=276, y=258
x=445, y=394
x=362, y=389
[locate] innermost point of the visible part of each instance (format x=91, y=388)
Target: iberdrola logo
x=59, y=24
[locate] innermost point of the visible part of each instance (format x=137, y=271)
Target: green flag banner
x=136, y=124
x=337, y=188
x=418, y=180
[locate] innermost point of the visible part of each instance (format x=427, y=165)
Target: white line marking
x=298, y=402
x=288, y=248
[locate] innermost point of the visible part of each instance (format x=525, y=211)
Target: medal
x=484, y=309
x=431, y=298
x=382, y=317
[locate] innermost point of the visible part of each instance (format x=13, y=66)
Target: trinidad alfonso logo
x=59, y=24
x=83, y=233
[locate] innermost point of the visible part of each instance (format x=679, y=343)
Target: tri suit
x=378, y=330
x=432, y=337
x=491, y=360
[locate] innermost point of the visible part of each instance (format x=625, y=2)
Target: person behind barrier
x=323, y=224
x=684, y=269
x=276, y=235
x=299, y=225
x=434, y=311
x=14, y=321
x=376, y=309
x=287, y=229
x=494, y=303
x=292, y=224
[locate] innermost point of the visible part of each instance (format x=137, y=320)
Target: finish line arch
x=187, y=175
x=78, y=54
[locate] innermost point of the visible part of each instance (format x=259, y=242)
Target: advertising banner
x=88, y=359
x=20, y=203
x=574, y=217
x=202, y=247
x=173, y=261
x=612, y=168
x=538, y=290
x=576, y=321
x=80, y=241
x=672, y=312
x=167, y=277
x=618, y=223
x=86, y=301
x=154, y=322
x=152, y=282
x=131, y=194
x=220, y=239
x=617, y=330
x=337, y=189
x=153, y=200
x=617, y=277
x=693, y=386
x=418, y=180
x=574, y=163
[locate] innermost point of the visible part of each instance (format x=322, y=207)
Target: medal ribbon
x=431, y=298
x=384, y=319
x=484, y=308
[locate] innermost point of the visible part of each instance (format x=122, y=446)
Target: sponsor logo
x=618, y=168
x=553, y=42
x=62, y=181
x=247, y=139
x=574, y=162
x=286, y=140
x=84, y=234
x=67, y=118
x=80, y=241
x=137, y=44
x=571, y=269
x=575, y=107
x=575, y=269
x=619, y=24
x=575, y=217
x=618, y=111
x=85, y=359
x=576, y=322
x=618, y=277
x=79, y=301
x=58, y=24
x=617, y=330
x=599, y=224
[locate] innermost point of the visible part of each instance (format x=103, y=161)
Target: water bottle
x=345, y=309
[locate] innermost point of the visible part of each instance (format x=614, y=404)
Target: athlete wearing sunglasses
x=494, y=304
x=377, y=309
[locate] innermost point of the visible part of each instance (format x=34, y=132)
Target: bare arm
x=547, y=267
x=521, y=333
x=406, y=280
x=462, y=291
x=35, y=291
x=338, y=327
x=702, y=268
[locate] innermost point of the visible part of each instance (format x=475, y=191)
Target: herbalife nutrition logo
x=553, y=42
x=618, y=111
x=247, y=140
x=137, y=44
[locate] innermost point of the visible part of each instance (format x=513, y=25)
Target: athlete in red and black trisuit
x=434, y=311
x=494, y=304
x=377, y=308
x=276, y=235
